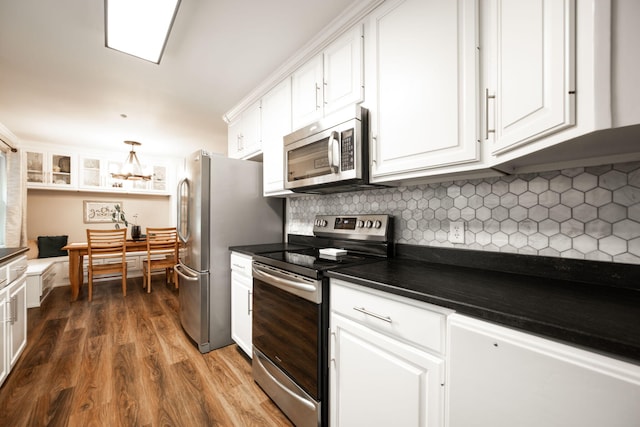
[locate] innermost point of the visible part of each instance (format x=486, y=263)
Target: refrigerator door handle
x=186, y=275
x=183, y=193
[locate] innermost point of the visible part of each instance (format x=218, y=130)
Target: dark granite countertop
x=7, y=253
x=601, y=317
x=264, y=248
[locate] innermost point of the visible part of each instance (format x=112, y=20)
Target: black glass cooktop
x=309, y=261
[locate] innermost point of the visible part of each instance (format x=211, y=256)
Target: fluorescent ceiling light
x=139, y=27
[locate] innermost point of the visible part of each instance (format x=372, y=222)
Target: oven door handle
x=332, y=153
x=281, y=280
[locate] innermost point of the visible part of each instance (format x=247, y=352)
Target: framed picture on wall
x=99, y=211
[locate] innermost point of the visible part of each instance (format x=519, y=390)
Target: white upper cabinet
x=244, y=135
x=531, y=92
x=50, y=169
x=276, y=123
x=422, y=78
x=343, y=71
x=307, y=88
x=331, y=80
x=551, y=74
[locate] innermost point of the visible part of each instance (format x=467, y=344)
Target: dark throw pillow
x=50, y=246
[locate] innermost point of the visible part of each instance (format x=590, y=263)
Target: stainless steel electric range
x=291, y=310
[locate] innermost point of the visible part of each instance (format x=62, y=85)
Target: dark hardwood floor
x=125, y=361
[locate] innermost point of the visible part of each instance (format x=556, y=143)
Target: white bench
x=43, y=274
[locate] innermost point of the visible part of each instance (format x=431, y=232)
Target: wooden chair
x=107, y=254
x=162, y=253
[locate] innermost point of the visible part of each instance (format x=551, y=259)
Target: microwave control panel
x=347, y=150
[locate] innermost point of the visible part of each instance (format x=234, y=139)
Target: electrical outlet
x=456, y=232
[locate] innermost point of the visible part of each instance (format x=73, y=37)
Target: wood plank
x=126, y=361
x=94, y=386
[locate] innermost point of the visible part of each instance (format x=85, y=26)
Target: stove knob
x=360, y=223
x=323, y=223
x=377, y=224
x=316, y=222
x=368, y=223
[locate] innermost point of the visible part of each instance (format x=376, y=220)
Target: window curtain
x=16, y=223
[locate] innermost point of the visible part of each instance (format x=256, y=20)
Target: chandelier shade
x=132, y=169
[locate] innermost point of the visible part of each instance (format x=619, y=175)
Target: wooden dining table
x=77, y=251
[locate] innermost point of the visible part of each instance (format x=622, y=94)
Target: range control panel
x=358, y=227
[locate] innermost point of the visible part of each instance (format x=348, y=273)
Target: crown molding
x=351, y=16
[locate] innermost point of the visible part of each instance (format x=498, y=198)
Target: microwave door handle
x=332, y=154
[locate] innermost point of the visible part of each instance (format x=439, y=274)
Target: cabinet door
x=379, y=381
x=234, y=139
x=306, y=93
x=343, y=78
x=91, y=174
x=251, y=136
x=36, y=172
x=50, y=169
x=18, y=319
x=244, y=136
x=4, y=361
x=532, y=72
x=276, y=123
x=502, y=378
x=159, y=178
x=423, y=87
x=241, y=305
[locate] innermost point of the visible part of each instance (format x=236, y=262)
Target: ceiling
x=60, y=84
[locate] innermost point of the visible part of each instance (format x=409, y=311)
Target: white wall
x=51, y=213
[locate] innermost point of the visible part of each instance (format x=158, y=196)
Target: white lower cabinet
x=4, y=361
x=13, y=312
x=386, y=366
x=500, y=377
x=241, y=304
x=17, y=299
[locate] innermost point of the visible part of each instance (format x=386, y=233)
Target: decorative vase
x=136, y=232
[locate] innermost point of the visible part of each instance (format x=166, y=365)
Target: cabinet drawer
x=17, y=268
x=403, y=318
x=241, y=264
x=4, y=278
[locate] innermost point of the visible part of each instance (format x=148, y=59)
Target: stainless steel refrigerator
x=220, y=204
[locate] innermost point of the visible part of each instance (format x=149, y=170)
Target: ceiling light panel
x=139, y=27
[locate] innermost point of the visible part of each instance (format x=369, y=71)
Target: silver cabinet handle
x=324, y=93
x=486, y=113
x=317, y=91
x=372, y=314
x=20, y=269
x=249, y=305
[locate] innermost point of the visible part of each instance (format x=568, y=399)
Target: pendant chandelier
x=131, y=169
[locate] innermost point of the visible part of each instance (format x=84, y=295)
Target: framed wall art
x=99, y=211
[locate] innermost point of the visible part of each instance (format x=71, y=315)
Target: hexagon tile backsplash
x=587, y=213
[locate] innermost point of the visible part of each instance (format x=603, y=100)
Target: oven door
x=286, y=323
x=287, y=341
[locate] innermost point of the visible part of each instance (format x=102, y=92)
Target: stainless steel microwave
x=329, y=156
